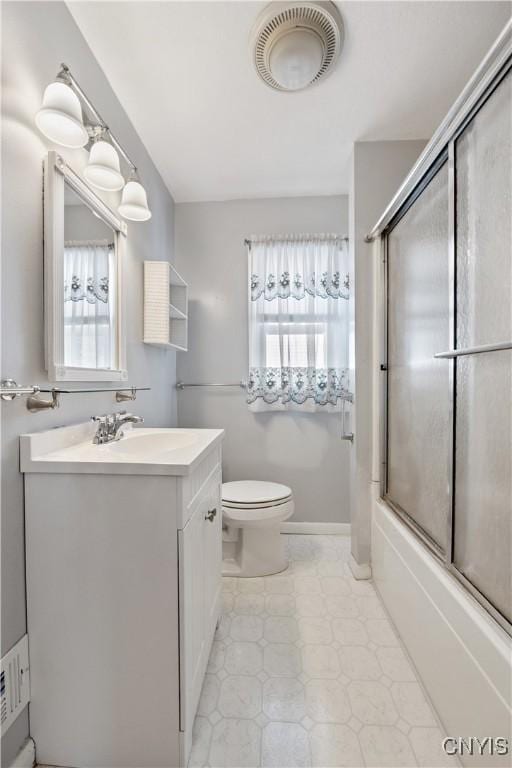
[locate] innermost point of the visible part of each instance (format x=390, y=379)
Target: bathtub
x=463, y=657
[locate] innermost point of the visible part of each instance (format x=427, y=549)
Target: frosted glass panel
x=483, y=485
x=484, y=222
x=418, y=385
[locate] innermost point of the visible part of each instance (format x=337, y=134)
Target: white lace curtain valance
x=296, y=267
x=298, y=322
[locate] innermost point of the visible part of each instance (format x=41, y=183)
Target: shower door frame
x=410, y=191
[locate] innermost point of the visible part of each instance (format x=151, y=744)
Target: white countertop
x=142, y=451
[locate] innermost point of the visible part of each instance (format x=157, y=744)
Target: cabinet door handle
x=211, y=515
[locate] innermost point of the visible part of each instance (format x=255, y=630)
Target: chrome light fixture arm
x=99, y=127
x=69, y=118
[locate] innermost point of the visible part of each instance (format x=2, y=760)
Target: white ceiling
x=184, y=74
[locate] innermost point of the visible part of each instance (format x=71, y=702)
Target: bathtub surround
x=378, y=169
x=303, y=451
x=463, y=643
x=36, y=37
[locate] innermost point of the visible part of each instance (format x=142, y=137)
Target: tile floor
x=306, y=670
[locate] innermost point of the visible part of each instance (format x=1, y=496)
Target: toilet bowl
x=252, y=513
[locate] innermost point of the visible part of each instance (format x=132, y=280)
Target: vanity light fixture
x=134, y=202
x=103, y=169
x=61, y=119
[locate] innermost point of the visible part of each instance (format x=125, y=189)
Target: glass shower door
x=483, y=413
x=449, y=354
x=418, y=402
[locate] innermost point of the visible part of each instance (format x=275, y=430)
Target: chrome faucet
x=109, y=426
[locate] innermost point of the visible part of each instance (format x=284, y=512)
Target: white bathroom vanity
x=123, y=548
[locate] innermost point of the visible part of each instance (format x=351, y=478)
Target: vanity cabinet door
x=200, y=564
x=192, y=615
x=212, y=550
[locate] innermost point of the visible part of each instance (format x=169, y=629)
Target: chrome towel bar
x=9, y=390
x=473, y=350
x=182, y=385
x=294, y=238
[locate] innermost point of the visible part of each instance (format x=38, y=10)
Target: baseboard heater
x=14, y=683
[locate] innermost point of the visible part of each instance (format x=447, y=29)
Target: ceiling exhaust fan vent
x=296, y=43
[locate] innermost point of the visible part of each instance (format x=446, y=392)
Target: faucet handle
x=102, y=428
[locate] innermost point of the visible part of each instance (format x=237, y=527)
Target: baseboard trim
x=26, y=757
x=341, y=529
x=359, y=571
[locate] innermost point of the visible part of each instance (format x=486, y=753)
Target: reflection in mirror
x=90, y=283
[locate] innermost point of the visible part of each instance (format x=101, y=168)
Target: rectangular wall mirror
x=83, y=246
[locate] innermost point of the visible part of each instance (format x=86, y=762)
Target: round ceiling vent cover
x=296, y=43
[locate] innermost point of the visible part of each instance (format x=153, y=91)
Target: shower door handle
x=453, y=353
x=344, y=434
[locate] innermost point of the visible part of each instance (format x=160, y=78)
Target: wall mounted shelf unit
x=165, y=306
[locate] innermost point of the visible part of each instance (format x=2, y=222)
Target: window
x=89, y=299
x=298, y=321
x=293, y=344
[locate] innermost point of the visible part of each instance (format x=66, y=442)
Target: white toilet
x=252, y=513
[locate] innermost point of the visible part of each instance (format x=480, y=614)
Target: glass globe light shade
x=103, y=170
x=60, y=117
x=134, y=203
x=296, y=58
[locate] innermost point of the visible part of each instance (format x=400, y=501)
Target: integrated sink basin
x=152, y=443
x=146, y=451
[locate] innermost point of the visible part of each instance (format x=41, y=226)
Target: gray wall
x=378, y=169
x=303, y=451
x=81, y=224
x=36, y=37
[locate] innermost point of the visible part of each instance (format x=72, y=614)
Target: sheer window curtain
x=89, y=298
x=298, y=322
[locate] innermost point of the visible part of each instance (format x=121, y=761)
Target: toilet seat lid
x=254, y=492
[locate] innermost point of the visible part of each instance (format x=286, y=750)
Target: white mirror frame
x=56, y=174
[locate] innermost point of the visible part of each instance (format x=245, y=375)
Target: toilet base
x=250, y=552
